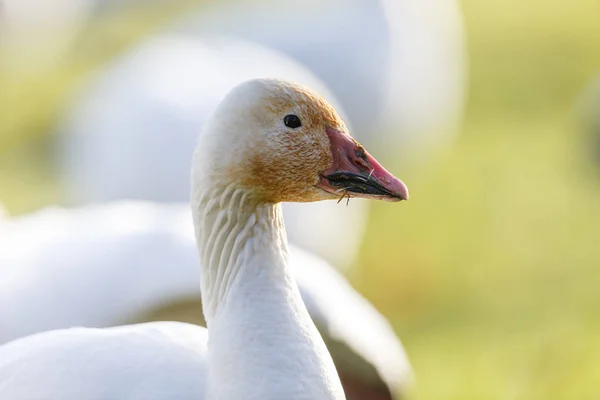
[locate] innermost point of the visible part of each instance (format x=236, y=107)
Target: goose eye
x=292, y=121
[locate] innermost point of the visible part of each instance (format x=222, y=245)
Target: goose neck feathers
x=263, y=343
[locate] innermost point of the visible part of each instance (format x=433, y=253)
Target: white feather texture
x=263, y=343
x=105, y=265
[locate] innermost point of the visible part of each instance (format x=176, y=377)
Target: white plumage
x=263, y=344
x=110, y=363
x=105, y=265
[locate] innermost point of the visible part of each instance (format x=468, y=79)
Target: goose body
x=109, y=363
x=139, y=257
x=263, y=344
x=140, y=118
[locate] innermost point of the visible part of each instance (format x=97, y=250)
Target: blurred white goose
x=393, y=64
x=132, y=131
x=141, y=257
x=405, y=59
x=268, y=142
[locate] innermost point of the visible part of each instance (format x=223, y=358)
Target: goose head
x=284, y=143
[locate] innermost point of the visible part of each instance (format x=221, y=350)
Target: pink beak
x=355, y=173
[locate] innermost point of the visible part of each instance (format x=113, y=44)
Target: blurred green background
x=491, y=272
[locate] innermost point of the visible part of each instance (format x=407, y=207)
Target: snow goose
x=139, y=118
x=269, y=141
x=140, y=260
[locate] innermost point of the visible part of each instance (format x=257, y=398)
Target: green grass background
x=491, y=272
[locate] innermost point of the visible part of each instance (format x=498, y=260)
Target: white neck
x=262, y=342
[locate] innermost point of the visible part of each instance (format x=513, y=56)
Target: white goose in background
x=268, y=142
x=105, y=265
x=139, y=119
x=398, y=67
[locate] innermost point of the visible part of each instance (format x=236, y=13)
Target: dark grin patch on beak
x=359, y=184
x=355, y=173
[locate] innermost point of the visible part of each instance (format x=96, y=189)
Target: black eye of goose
x=292, y=121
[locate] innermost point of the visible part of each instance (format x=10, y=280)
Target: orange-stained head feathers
x=248, y=143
